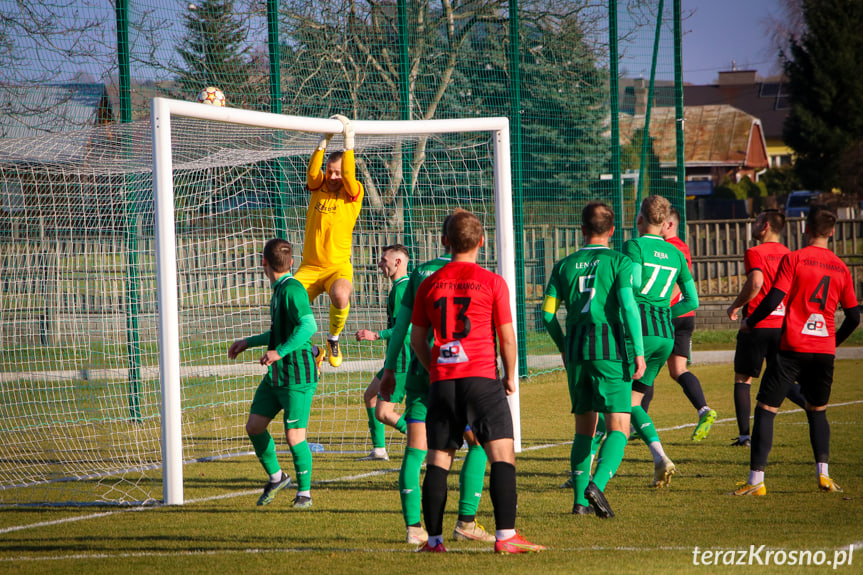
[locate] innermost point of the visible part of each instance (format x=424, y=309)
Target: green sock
x=470, y=480
x=265, y=449
x=599, y=434
x=579, y=462
x=409, y=485
x=610, y=456
x=376, y=429
x=643, y=425
x=401, y=424
x=302, y=465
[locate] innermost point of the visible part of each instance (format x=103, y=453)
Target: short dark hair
x=597, y=218
x=464, y=231
x=279, y=254
x=335, y=156
x=820, y=221
x=775, y=219
x=396, y=248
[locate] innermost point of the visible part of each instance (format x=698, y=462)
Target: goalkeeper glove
x=324, y=141
x=349, y=130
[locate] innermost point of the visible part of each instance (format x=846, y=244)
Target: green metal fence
x=567, y=74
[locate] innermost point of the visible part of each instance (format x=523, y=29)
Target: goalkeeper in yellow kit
x=336, y=199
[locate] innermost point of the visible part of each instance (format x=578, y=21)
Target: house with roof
x=39, y=109
x=768, y=101
x=719, y=141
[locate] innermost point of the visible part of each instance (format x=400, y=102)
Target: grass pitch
x=356, y=526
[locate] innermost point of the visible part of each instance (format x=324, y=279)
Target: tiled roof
x=28, y=111
x=713, y=135
x=767, y=101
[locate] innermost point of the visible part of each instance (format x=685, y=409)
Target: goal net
x=116, y=310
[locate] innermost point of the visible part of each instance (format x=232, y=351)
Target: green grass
x=355, y=525
x=718, y=339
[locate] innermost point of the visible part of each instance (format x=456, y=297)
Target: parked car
x=797, y=204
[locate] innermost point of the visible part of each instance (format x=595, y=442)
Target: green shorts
x=295, y=399
x=416, y=397
x=399, y=392
x=656, y=352
x=599, y=385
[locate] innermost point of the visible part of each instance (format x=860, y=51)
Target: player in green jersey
x=394, y=265
x=416, y=401
x=656, y=267
x=292, y=376
x=595, y=285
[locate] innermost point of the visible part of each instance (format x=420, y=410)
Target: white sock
x=822, y=468
x=277, y=476
x=703, y=410
x=435, y=540
x=755, y=477
x=504, y=534
x=305, y=493
x=331, y=337
x=378, y=451
x=657, y=452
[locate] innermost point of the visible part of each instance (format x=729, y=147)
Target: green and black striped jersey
x=288, y=304
x=587, y=282
x=422, y=271
x=657, y=267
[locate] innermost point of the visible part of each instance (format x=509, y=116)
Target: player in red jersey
x=753, y=347
x=683, y=328
x=815, y=282
x=468, y=308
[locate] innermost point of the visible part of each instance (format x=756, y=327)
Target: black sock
x=819, y=435
x=795, y=394
x=762, y=438
x=434, y=498
x=648, y=397
x=501, y=488
x=742, y=406
x=692, y=389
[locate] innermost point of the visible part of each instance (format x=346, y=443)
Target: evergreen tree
x=215, y=51
x=562, y=90
x=825, y=73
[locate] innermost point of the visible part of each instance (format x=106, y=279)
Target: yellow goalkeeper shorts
x=318, y=280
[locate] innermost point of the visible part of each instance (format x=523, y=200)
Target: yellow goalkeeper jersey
x=331, y=217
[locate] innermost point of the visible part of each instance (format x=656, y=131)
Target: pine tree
x=215, y=51
x=825, y=73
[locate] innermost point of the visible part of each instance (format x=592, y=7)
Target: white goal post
x=163, y=110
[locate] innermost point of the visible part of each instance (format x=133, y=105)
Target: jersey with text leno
x=394, y=303
x=422, y=271
x=587, y=282
x=330, y=217
x=815, y=282
x=288, y=304
x=765, y=258
x=662, y=265
x=684, y=249
x=464, y=304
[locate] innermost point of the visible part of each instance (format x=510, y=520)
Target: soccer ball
x=212, y=96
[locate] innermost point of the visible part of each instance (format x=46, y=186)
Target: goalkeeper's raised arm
x=334, y=206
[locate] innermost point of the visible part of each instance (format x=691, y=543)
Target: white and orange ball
x=212, y=96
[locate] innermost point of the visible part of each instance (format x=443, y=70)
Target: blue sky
x=720, y=31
